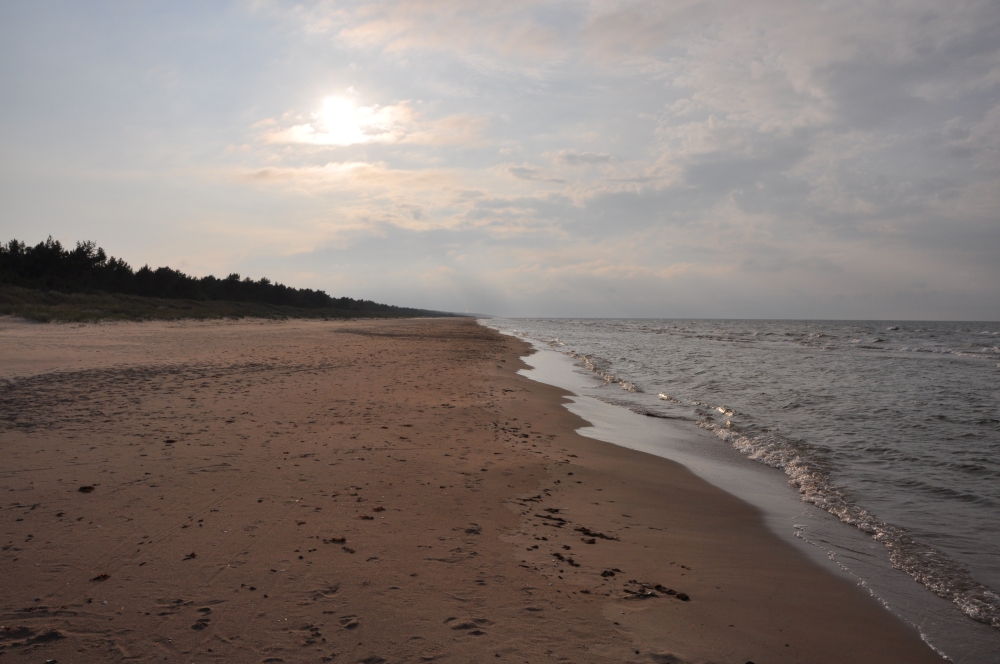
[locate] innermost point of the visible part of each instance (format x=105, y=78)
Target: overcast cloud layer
x=720, y=159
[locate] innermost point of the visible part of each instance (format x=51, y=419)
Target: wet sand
x=369, y=491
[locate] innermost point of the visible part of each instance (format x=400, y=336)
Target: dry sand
x=369, y=491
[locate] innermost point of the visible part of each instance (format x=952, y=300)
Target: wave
x=879, y=344
x=968, y=347
x=599, y=367
x=932, y=568
x=805, y=467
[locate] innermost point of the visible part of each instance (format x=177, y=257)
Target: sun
x=342, y=122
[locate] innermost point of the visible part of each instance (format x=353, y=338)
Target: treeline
x=87, y=269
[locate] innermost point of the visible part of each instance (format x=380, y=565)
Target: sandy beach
x=370, y=491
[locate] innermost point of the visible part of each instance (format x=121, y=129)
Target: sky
x=729, y=159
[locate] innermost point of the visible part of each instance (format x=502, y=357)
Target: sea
x=872, y=445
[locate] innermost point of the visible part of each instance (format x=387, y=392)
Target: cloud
x=514, y=29
x=673, y=151
x=341, y=122
x=463, y=129
x=531, y=173
x=572, y=158
x=361, y=178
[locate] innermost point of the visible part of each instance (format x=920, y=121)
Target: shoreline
x=945, y=620
x=442, y=476
x=838, y=548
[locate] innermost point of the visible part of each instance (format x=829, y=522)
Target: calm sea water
x=893, y=427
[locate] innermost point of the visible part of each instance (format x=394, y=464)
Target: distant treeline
x=87, y=268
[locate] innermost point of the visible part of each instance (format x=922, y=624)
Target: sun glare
x=341, y=122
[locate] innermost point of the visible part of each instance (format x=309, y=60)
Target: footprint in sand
x=472, y=625
x=326, y=592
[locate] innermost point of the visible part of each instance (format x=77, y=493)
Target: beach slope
x=369, y=491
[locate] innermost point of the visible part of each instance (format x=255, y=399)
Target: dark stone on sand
x=85, y=489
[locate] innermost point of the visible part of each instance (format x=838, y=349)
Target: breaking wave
x=876, y=424
x=942, y=575
x=600, y=367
